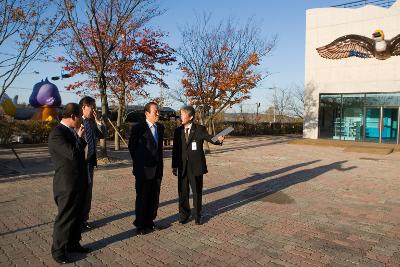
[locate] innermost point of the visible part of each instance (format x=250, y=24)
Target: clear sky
x=283, y=17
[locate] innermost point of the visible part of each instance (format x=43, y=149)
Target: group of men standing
x=72, y=146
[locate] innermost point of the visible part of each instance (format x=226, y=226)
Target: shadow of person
x=250, y=179
x=261, y=189
x=269, y=187
x=74, y=256
x=166, y=222
x=99, y=244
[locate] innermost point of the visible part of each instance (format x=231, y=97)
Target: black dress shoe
x=86, y=227
x=156, y=227
x=184, y=220
x=141, y=231
x=78, y=248
x=198, y=221
x=62, y=259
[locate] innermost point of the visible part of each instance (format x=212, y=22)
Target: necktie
x=89, y=137
x=187, y=134
x=154, y=132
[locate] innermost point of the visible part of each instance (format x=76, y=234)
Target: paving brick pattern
x=266, y=203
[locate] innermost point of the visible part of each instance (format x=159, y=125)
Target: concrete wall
x=350, y=75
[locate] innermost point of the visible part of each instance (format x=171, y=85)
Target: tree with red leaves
x=90, y=40
x=136, y=62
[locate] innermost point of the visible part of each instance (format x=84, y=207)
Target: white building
x=352, y=98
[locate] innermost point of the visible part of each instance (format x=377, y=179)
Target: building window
x=329, y=115
x=360, y=117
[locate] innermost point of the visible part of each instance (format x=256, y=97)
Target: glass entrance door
x=390, y=125
x=372, y=118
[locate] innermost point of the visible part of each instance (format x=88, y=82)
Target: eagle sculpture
x=354, y=45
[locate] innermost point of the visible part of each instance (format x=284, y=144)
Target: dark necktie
x=89, y=137
x=187, y=134
x=153, y=130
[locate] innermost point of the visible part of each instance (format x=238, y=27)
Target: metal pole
x=16, y=155
x=117, y=132
x=380, y=124
x=364, y=123
x=398, y=125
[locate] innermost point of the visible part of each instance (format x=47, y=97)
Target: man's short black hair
x=71, y=109
x=148, y=106
x=189, y=110
x=87, y=101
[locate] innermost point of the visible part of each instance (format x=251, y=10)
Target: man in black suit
x=189, y=162
x=67, y=150
x=94, y=130
x=146, y=149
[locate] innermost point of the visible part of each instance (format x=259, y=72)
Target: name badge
x=194, y=146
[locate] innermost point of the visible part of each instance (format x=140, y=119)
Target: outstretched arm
x=208, y=137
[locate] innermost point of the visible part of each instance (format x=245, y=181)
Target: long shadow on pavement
x=269, y=187
x=250, y=179
x=262, y=189
x=233, y=201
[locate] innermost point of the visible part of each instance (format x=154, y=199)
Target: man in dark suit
x=66, y=147
x=189, y=162
x=94, y=130
x=146, y=149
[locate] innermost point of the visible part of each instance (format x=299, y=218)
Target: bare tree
x=297, y=101
x=287, y=103
x=281, y=101
x=179, y=95
x=106, y=22
x=27, y=28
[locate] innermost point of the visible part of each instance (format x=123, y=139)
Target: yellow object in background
x=45, y=114
x=8, y=107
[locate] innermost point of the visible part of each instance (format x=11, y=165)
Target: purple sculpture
x=45, y=94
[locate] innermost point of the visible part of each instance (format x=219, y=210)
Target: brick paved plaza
x=266, y=203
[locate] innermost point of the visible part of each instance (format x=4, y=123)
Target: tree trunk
x=104, y=113
x=121, y=106
x=117, y=130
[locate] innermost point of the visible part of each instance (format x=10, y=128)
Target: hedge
x=38, y=132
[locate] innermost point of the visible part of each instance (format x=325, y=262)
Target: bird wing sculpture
x=394, y=45
x=351, y=45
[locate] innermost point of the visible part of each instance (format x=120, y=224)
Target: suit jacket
x=98, y=131
x=147, y=156
x=184, y=156
x=68, y=156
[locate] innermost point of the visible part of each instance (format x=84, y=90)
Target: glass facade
x=360, y=117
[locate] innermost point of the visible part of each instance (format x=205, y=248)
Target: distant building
x=353, y=98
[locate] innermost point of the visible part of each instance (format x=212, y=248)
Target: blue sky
x=284, y=17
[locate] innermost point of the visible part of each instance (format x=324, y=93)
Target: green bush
x=262, y=128
x=169, y=128
x=126, y=127
x=32, y=131
x=38, y=131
